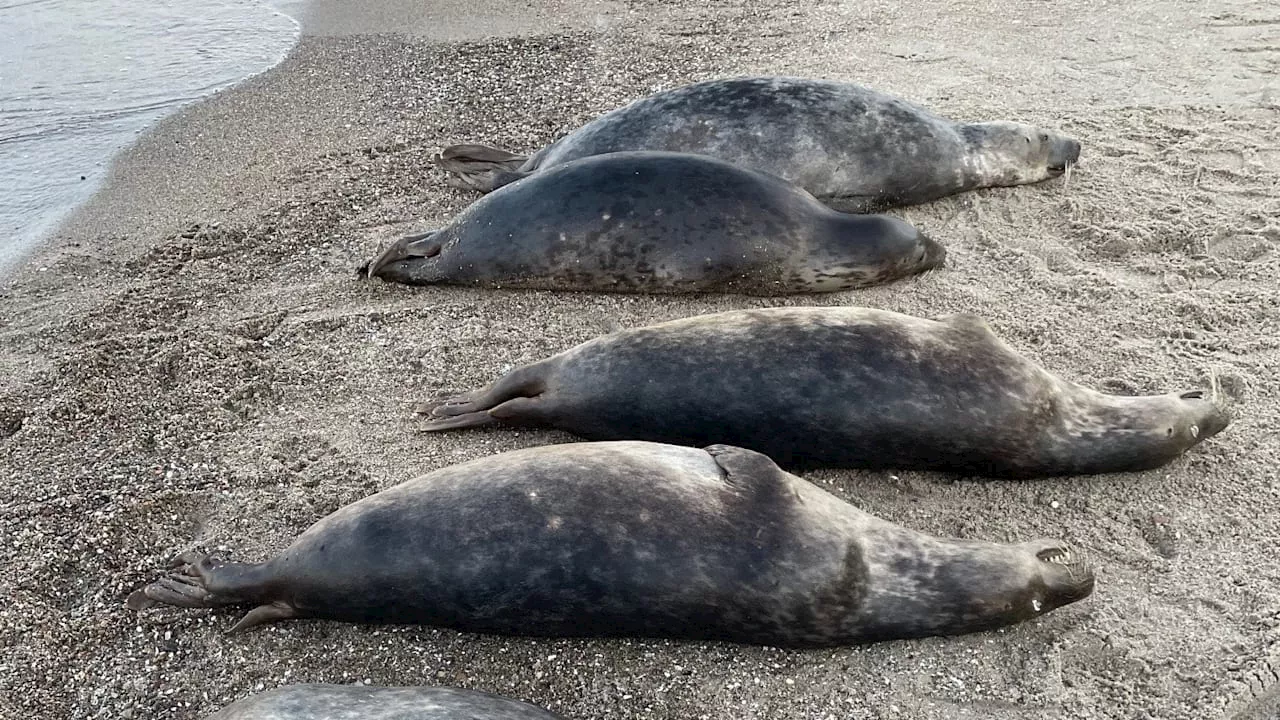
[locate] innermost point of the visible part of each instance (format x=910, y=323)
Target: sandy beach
x=192, y=361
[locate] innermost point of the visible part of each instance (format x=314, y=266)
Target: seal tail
x=510, y=398
x=480, y=167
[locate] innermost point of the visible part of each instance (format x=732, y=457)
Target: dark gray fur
x=634, y=539
x=317, y=701
x=844, y=387
x=660, y=223
x=853, y=148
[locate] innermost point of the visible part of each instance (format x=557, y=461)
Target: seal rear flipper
x=421, y=245
x=503, y=400
x=200, y=582
x=480, y=167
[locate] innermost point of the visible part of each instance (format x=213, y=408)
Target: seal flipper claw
x=263, y=614
x=457, y=422
x=190, y=558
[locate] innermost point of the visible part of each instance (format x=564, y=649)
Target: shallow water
x=79, y=79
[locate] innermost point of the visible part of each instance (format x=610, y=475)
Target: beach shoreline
x=192, y=361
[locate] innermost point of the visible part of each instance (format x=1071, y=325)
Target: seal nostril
x=1193, y=395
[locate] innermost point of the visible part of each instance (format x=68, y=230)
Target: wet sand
x=192, y=362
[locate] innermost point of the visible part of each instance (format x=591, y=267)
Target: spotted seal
x=634, y=539
x=852, y=147
x=659, y=222
x=840, y=386
x=320, y=701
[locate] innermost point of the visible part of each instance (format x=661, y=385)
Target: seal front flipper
x=480, y=167
x=514, y=398
x=742, y=466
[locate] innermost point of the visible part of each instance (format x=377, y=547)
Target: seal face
x=659, y=223
x=852, y=147
x=319, y=701
x=634, y=539
x=841, y=387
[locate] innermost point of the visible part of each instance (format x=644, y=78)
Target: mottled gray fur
x=634, y=539
x=845, y=387
x=853, y=148
x=662, y=223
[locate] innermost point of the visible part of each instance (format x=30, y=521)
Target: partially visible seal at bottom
x=1262, y=699
x=316, y=701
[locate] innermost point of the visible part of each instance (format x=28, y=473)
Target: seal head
x=1009, y=153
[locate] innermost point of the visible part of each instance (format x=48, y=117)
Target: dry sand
x=192, y=361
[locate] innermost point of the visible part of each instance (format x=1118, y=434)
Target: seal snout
x=1208, y=416
x=935, y=253
x=1066, y=573
x=1063, y=152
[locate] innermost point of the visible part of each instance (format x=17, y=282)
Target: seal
x=852, y=147
x=659, y=222
x=841, y=387
x=320, y=701
x=634, y=539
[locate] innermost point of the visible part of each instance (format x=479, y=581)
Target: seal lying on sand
x=851, y=147
x=844, y=387
x=634, y=539
x=315, y=701
x=659, y=223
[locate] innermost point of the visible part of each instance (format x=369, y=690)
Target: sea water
x=79, y=79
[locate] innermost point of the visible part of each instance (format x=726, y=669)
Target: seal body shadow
x=852, y=147
x=659, y=222
x=840, y=387
x=637, y=539
x=321, y=701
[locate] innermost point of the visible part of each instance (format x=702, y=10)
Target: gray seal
x=841, y=387
x=634, y=539
x=320, y=701
x=852, y=147
x=659, y=222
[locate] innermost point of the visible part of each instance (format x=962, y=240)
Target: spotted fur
x=634, y=539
